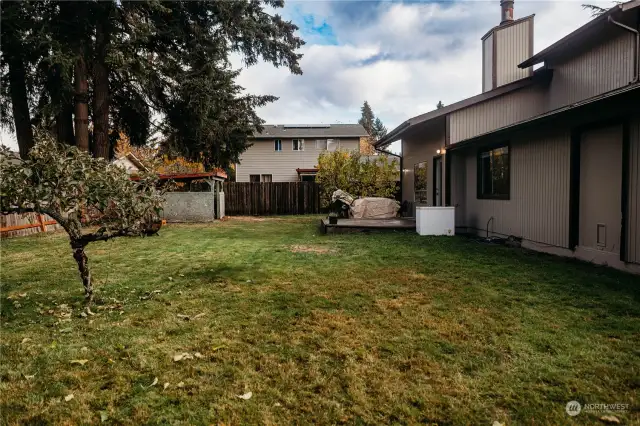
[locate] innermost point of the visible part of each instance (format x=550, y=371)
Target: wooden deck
x=397, y=224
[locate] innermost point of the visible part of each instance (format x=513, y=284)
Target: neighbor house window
x=254, y=178
x=493, y=173
x=321, y=144
x=298, y=144
x=277, y=145
x=333, y=144
x=420, y=182
x=266, y=178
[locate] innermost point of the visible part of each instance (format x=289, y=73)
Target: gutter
x=637, y=49
x=386, y=140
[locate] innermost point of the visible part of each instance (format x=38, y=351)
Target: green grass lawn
x=350, y=328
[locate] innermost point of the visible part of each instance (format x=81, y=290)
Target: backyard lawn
x=280, y=324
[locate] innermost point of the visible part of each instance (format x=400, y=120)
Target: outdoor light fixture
x=437, y=151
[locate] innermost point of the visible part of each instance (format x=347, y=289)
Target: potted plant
x=333, y=218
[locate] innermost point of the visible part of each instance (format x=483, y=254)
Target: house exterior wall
x=415, y=150
x=261, y=158
x=599, y=69
x=514, y=44
x=487, y=63
x=496, y=113
x=633, y=249
x=538, y=208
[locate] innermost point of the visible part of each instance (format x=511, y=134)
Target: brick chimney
x=507, y=11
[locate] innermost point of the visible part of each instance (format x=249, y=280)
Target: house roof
x=592, y=29
x=539, y=75
x=283, y=131
x=217, y=173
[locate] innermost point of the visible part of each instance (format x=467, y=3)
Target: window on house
x=277, y=145
x=333, y=144
x=321, y=144
x=493, y=173
x=298, y=144
x=266, y=178
x=254, y=178
x=420, y=177
x=308, y=178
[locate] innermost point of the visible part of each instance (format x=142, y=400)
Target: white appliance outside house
x=435, y=220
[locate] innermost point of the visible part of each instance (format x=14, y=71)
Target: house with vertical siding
x=549, y=152
x=289, y=153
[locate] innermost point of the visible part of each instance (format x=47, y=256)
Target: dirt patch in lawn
x=311, y=249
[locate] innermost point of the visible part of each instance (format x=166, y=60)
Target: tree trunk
x=83, y=266
x=101, y=94
x=20, y=105
x=64, y=125
x=82, y=109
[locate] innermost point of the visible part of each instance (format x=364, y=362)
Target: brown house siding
x=513, y=46
x=598, y=70
x=538, y=208
x=633, y=248
x=415, y=150
x=496, y=113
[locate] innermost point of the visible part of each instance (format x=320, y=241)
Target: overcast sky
x=403, y=57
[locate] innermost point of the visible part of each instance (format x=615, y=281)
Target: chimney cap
x=506, y=7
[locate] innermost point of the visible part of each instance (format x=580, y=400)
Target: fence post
x=43, y=226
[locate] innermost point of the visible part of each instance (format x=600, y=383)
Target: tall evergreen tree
x=379, y=129
x=367, y=119
x=114, y=64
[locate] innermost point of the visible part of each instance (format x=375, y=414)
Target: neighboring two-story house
x=551, y=155
x=289, y=153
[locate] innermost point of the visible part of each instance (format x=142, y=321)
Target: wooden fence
x=18, y=225
x=277, y=198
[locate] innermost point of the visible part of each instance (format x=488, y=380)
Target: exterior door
x=601, y=190
x=437, y=181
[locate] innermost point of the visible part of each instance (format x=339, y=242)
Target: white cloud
x=429, y=52
x=402, y=58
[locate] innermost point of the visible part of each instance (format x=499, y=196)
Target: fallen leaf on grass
x=166, y=385
x=180, y=385
x=180, y=357
x=155, y=382
x=184, y=317
x=25, y=340
x=246, y=396
x=610, y=419
x=198, y=355
x=198, y=316
x=79, y=361
x=66, y=330
x=103, y=416
x=28, y=376
x=216, y=348
x=68, y=397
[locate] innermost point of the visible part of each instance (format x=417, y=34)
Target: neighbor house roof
x=592, y=29
x=217, y=173
x=283, y=131
x=539, y=75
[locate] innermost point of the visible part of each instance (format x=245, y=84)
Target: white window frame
x=333, y=141
x=277, y=143
x=321, y=144
x=293, y=144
